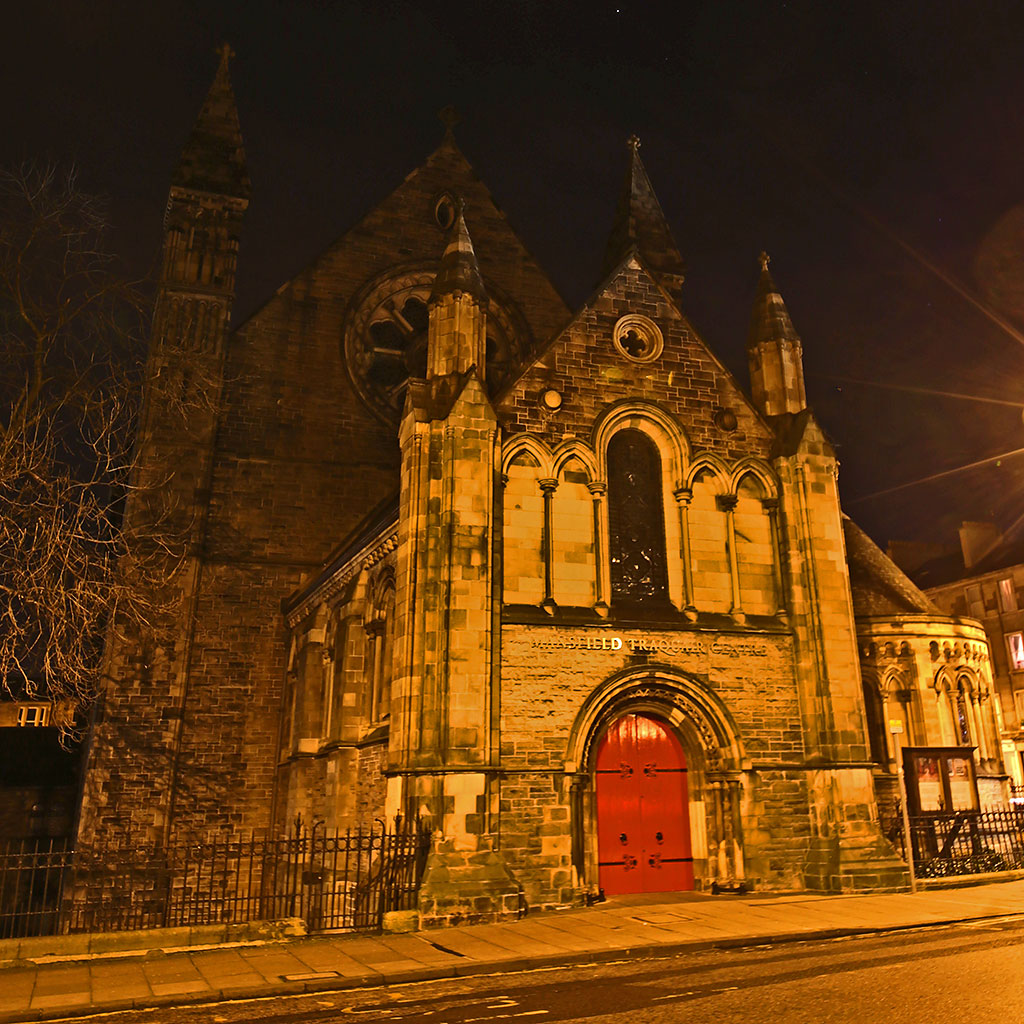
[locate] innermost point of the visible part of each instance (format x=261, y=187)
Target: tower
x=444, y=749
x=131, y=783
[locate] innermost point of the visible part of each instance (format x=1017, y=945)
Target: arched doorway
x=643, y=822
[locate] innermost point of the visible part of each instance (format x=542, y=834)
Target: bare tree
x=73, y=565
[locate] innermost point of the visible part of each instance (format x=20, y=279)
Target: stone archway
x=709, y=749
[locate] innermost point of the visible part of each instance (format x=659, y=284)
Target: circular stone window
x=385, y=339
x=638, y=338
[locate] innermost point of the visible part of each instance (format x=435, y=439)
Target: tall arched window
x=387, y=653
x=961, y=720
x=523, y=533
x=755, y=549
x=876, y=723
x=709, y=545
x=636, y=519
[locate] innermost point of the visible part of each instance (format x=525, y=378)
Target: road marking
x=674, y=995
x=505, y=1016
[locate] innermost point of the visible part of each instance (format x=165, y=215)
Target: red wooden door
x=643, y=822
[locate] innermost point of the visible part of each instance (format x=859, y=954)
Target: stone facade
x=992, y=592
x=450, y=535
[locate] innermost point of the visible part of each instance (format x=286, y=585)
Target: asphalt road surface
x=931, y=976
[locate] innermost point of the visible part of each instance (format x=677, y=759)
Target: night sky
x=874, y=150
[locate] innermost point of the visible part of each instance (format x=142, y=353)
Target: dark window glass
x=961, y=715
x=636, y=519
x=876, y=725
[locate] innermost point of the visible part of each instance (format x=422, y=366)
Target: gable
x=308, y=439
x=407, y=230
x=592, y=370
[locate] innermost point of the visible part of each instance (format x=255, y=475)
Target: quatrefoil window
x=637, y=338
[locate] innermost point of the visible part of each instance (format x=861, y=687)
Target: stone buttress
x=846, y=850
x=443, y=746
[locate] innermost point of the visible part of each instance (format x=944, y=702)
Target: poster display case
x=940, y=780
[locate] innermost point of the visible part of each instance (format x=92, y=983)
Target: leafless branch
x=73, y=566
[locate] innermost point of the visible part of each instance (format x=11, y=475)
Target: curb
x=473, y=968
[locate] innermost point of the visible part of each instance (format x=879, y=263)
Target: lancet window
x=636, y=519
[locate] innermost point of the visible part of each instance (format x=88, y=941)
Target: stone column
x=736, y=829
x=602, y=584
x=548, y=486
x=973, y=703
x=683, y=495
x=771, y=509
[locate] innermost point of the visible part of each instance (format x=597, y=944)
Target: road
x=930, y=976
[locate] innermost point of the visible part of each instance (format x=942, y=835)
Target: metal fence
x=962, y=843
x=333, y=879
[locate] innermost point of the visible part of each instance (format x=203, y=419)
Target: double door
x=643, y=824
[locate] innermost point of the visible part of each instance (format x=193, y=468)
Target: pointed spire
x=640, y=223
x=770, y=319
x=774, y=352
x=459, y=271
x=213, y=159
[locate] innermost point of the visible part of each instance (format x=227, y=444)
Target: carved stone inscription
x=694, y=646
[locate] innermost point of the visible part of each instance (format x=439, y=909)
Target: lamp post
x=896, y=729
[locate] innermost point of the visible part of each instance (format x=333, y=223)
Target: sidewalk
x=622, y=927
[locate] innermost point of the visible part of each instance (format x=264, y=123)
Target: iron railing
x=333, y=879
x=962, y=842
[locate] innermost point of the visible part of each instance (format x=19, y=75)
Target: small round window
x=637, y=338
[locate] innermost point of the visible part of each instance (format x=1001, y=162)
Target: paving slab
x=63, y=999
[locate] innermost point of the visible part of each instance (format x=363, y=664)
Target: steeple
x=458, y=303
x=640, y=223
x=213, y=159
x=208, y=198
x=459, y=270
x=774, y=351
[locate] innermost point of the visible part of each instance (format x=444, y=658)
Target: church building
x=553, y=580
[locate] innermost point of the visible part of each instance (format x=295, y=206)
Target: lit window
x=1016, y=642
x=1007, y=596
x=33, y=714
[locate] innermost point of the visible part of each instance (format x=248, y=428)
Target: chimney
x=977, y=540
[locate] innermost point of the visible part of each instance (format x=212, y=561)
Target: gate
x=643, y=823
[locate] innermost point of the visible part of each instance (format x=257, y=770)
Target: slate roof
x=769, y=320
x=640, y=224
x=879, y=586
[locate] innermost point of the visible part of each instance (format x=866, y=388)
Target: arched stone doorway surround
x=714, y=758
